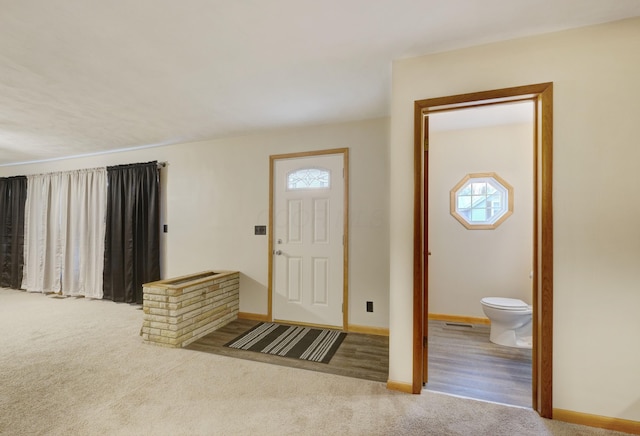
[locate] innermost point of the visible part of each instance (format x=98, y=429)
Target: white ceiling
x=87, y=76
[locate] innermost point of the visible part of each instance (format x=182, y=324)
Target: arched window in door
x=309, y=178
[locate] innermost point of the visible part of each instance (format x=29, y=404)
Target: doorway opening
x=542, y=271
x=479, y=214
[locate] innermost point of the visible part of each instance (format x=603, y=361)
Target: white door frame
x=345, y=157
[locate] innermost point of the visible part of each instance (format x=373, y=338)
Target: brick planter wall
x=180, y=310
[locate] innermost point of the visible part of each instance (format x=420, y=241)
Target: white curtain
x=43, y=236
x=64, y=232
x=83, y=262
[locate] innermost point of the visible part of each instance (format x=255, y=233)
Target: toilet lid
x=505, y=303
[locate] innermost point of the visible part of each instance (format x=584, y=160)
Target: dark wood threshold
x=360, y=355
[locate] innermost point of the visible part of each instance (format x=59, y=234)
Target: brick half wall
x=181, y=310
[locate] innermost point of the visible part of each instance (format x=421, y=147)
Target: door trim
x=542, y=353
x=345, y=225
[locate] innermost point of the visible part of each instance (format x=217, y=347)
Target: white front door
x=308, y=231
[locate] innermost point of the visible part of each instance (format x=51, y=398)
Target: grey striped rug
x=307, y=343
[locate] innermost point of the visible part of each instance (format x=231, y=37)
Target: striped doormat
x=306, y=343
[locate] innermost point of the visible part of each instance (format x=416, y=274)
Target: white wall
x=467, y=265
x=595, y=71
x=216, y=191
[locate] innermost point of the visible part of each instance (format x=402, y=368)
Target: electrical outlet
x=369, y=306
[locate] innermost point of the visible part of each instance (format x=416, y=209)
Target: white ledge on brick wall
x=180, y=310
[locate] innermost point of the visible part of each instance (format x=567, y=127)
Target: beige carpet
x=70, y=366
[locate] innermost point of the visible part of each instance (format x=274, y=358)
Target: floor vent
x=457, y=324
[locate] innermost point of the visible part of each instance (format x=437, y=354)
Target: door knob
x=277, y=252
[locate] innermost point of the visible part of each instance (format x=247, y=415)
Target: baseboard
x=407, y=388
x=253, y=316
x=458, y=318
x=379, y=331
x=616, y=424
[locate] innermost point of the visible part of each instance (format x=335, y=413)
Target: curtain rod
x=163, y=164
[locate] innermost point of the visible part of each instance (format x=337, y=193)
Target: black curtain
x=13, y=194
x=132, y=239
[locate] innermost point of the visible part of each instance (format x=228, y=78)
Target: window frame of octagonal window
x=498, y=184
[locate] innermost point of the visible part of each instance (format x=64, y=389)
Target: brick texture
x=179, y=311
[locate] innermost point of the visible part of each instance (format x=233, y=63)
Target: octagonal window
x=481, y=201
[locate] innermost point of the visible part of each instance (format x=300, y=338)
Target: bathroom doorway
x=480, y=245
x=542, y=275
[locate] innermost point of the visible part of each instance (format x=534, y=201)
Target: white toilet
x=511, y=321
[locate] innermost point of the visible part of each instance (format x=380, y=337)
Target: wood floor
x=359, y=355
x=462, y=361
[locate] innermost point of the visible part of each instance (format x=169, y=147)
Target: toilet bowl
x=511, y=321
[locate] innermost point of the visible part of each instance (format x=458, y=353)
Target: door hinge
x=424, y=342
x=426, y=144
